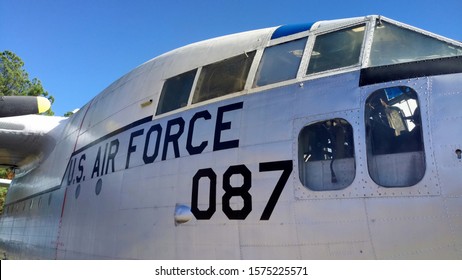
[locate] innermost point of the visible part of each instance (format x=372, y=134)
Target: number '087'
x=242, y=191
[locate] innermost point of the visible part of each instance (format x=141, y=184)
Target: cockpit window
x=337, y=49
x=393, y=44
x=280, y=62
x=223, y=77
x=175, y=93
x=395, y=152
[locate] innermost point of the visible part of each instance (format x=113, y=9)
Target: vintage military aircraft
x=336, y=139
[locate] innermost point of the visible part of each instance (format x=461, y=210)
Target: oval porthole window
x=77, y=191
x=98, y=187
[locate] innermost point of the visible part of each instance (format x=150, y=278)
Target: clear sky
x=78, y=47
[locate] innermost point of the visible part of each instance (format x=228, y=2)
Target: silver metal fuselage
x=199, y=182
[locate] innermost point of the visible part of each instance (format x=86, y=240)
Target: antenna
x=379, y=21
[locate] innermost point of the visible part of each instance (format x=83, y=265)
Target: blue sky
x=77, y=48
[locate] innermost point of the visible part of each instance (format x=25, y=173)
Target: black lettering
x=112, y=154
x=173, y=138
x=151, y=158
x=286, y=166
x=204, y=214
x=70, y=174
x=220, y=126
x=104, y=159
x=96, y=165
x=194, y=150
x=131, y=148
x=80, y=176
x=241, y=191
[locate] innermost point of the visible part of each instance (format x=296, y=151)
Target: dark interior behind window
x=337, y=49
x=326, y=155
x=395, y=151
x=393, y=44
x=280, y=62
x=175, y=93
x=223, y=77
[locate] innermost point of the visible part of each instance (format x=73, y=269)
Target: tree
x=14, y=80
x=68, y=114
x=3, y=192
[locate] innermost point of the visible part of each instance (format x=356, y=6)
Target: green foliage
x=14, y=80
x=3, y=173
x=3, y=192
x=68, y=114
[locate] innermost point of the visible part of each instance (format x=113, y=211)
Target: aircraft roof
x=201, y=53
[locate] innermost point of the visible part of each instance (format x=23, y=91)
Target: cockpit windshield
x=393, y=44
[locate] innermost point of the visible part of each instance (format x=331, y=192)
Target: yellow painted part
x=43, y=104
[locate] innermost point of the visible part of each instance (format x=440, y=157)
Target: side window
x=336, y=49
x=280, y=63
x=223, y=77
x=175, y=93
x=395, y=151
x=326, y=155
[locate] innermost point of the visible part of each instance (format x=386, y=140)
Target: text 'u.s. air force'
x=151, y=142
x=147, y=142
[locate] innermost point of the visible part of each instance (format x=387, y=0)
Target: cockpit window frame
x=264, y=70
x=432, y=38
x=364, y=50
x=198, y=71
x=174, y=90
x=232, y=74
x=312, y=35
